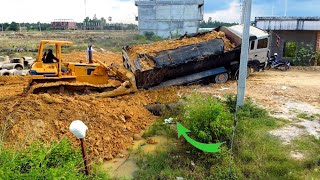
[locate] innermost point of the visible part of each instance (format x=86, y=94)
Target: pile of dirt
x=112, y=122
x=106, y=57
x=153, y=48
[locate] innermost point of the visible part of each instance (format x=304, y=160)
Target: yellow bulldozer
x=95, y=76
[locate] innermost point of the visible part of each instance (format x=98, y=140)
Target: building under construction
x=167, y=18
x=63, y=24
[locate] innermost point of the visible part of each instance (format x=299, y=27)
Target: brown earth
x=113, y=122
x=106, y=57
x=155, y=47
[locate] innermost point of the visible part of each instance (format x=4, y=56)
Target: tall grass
x=40, y=161
x=256, y=153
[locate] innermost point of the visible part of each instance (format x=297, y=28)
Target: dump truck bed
x=154, y=68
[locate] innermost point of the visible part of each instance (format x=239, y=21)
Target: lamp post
x=78, y=128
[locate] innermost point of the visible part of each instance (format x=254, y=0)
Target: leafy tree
x=14, y=26
x=214, y=24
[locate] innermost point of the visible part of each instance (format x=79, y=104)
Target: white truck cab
x=258, y=46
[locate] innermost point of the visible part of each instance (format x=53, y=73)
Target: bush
x=207, y=119
x=249, y=109
x=305, y=56
x=57, y=161
x=148, y=35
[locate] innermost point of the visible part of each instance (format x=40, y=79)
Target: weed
x=256, y=153
x=249, y=110
x=307, y=116
x=207, y=119
x=159, y=128
x=39, y=161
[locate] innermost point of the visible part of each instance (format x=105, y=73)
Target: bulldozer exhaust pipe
x=89, y=54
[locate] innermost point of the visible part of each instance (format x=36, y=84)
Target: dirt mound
x=112, y=122
x=172, y=44
x=107, y=57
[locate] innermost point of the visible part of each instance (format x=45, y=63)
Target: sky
x=125, y=10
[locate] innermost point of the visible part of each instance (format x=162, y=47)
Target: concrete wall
x=307, y=37
x=166, y=18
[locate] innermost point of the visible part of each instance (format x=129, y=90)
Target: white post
x=244, y=54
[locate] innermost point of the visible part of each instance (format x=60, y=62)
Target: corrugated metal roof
x=288, y=23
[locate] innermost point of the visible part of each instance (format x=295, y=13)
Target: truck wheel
x=221, y=78
x=236, y=76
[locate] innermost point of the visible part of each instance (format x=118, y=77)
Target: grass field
x=101, y=40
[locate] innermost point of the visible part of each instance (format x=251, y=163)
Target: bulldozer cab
x=49, y=69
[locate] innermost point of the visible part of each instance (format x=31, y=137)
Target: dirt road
x=113, y=122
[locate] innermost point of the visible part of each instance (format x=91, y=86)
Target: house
x=293, y=38
x=63, y=24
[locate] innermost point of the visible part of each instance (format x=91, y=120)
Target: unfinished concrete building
x=167, y=18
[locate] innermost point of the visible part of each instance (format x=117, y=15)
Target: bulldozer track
x=63, y=87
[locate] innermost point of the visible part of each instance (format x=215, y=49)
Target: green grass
x=108, y=40
x=307, y=116
x=40, y=161
x=256, y=153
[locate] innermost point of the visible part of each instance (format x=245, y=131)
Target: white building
x=167, y=18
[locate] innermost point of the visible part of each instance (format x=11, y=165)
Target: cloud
x=231, y=14
x=36, y=10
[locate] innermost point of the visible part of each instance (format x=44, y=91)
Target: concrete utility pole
x=39, y=26
x=286, y=8
x=244, y=54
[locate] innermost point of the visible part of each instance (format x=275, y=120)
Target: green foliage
x=178, y=163
x=14, y=26
x=57, y=161
x=215, y=24
x=290, y=49
x=159, y=128
x=305, y=55
x=148, y=35
x=249, y=110
x=256, y=153
x=207, y=119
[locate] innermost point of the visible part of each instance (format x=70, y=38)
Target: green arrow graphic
x=211, y=148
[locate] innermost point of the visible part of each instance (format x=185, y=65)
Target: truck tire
x=221, y=78
x=236, y=76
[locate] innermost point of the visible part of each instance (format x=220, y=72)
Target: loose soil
x=152, y=49
x=113, y=122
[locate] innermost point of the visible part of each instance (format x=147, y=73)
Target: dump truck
x=199, y=58
x=204, y=57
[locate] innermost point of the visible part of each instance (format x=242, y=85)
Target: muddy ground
x=114, y=122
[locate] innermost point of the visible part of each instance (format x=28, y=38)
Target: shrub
x=148, y=35
x=207, y=119
x=249, y=109
x=305, y=55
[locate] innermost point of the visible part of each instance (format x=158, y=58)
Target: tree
x=14, y=26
